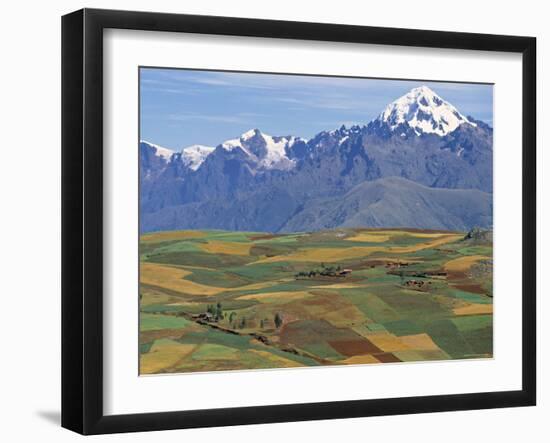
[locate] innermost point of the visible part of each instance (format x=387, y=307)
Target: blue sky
x=184, y=107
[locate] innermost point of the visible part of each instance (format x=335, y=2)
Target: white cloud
x=238, y=118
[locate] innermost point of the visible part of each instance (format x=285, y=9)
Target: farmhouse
x=417, y=283
x=393, y=265
x=206, y=316
x=345, y=272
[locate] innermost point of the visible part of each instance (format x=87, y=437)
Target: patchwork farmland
x=219, y=300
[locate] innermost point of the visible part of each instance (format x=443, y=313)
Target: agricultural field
x=220, y=300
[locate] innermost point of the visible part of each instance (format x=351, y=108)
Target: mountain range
x=420, y=163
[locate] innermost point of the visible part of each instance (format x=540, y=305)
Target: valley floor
x=219, y=300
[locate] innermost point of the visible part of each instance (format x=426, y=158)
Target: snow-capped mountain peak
x=164, y=153
x=268, y=152
x=194, y=156
x=250, y=134
x=423, y=111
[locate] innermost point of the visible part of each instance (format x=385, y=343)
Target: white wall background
x=30, y=218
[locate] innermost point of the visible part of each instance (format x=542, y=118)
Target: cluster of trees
x=242, y=322
x=216, y=311
x=235, y=323
x=327, y=271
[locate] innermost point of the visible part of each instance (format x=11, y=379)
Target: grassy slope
x=373, y=315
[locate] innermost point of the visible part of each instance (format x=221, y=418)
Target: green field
x=218, y=300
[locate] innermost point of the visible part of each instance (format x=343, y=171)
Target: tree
x=243, y=323
x=261, y=324
x=232, y=316
x=401, y=276
x=218, y=311
x=278, y=320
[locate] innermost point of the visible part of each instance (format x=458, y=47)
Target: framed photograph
x=269, y=221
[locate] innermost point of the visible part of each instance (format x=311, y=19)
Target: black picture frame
x=82, y=218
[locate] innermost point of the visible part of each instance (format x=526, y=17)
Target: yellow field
x=391, y=343
x=322, y=255
x=421, y=342
x=226, y=247
x=463, y=263
x=388, y=342
x=186, y=304
x=164, y=354
x=262, y=285
x=154, y=299
x=173, y=279
x=340, y=316
x=360, y=360
x=269, y=297
x=474, y=309
x=277, y=359
x=400, y=233
x=440, y=240
x=369, y=237
x=171, y=236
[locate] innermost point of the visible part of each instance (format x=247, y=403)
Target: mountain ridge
x=266, y=178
